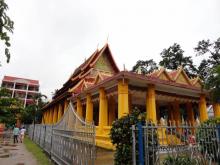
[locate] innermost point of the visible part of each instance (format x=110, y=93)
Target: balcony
x=33, y=88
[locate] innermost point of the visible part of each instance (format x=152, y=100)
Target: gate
x=70, y=141
x=171, y=144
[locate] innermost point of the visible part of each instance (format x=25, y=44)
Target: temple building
x=101, y=93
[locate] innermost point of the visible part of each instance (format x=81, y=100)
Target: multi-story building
x=22, y=88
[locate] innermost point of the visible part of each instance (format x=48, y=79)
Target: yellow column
x=55, y=114
x=216, y=109
x=89, y=108
x=123, y=106
x=79, y=107
x=190, y=113
x=151, y=104
x=43, y=118
x=65, y=105
x=202, y=108
x=176, y=114
x=111, y=110
x=59, y=112
x=103, y=108
x=46, y=116
x=51, y=115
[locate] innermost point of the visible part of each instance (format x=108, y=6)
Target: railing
x=70, y=141
x=172, y=143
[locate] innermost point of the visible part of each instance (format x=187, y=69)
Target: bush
x=179, y=160
x=121, y=136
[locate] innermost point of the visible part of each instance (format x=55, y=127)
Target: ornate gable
x=181, y=77
x=196, y=82
x=163, y=75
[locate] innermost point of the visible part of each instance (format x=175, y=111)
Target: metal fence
x=171, y=143
x=70, y=141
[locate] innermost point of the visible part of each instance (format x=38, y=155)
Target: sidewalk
x=15, y=154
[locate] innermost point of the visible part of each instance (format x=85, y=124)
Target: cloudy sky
x=52, y=37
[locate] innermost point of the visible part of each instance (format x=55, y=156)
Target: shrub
x=121, y=137
x=183, y=159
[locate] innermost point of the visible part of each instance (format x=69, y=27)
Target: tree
x=211, y=48
x=6, y=25
x=209, y=70
x=213, y=83
x=205, y=47
x=9, y=107
x=145, y=66
x=33, y=113
x=173, y=57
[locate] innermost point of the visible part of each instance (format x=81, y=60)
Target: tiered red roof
x=82, y=77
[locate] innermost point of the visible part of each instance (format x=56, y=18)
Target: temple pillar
x=79, y=107
x=65, y=105
x=202, y=108
x=151, y=104
x=176, y=112
x=111, y=110
x=59, y=112
x=190, y=113
x=47, y=116
x=123, y=106
x=103, y=108
x=216, y=109
x=51, y=116
x=89, y=108
x=54, y=114
x=43, y=118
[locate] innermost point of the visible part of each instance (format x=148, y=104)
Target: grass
x=38, y=153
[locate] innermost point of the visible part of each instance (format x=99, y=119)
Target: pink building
x=22, y=88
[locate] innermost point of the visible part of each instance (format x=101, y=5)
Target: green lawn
x=41, y=157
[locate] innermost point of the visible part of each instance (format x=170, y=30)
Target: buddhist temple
x=101, y=93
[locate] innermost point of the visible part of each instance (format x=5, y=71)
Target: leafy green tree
x=6, y=25
x=9, y=107
x=173, y=57
x=145, y=66
x=213, y=83
x=211, y=48
x=209, y=69
x=33, y=113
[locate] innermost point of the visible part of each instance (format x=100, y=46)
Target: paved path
x=104, y=157
x=17, y=154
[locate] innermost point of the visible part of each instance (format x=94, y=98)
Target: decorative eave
x=54, y=101
x=138, y=77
